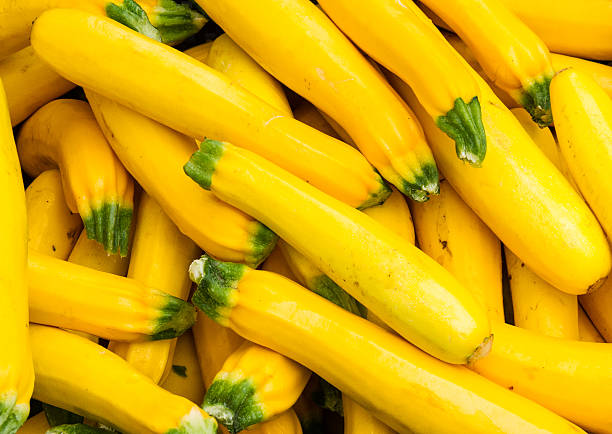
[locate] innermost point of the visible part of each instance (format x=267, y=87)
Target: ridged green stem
x=130, y=14
x=328, y=289
x=536, y=100
x=110, y=225
x=12, y=415
x=463, y=124
x=379, y=196
x=233, y=403
x=262, y=242
x=195, y=423
x=77, y=428
x=425, y=183
x=176, y=21
x=175, y=318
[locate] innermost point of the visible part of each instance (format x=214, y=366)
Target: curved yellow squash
x=30, y=83
x=584, y=130
x=160, y=254
x=586, y=328
x=238, y=116
x=17, y=378
x=254, y=385
x=577, y=28
x=52, y=229
x=81, y=376
x=317, y=61
x=449, y=232
x=392, y=278
x=185, y=377
x=411, y=47
x=404, y=387
x=524, y=200
x=357, y=420
x=515, y=59
x=64, y=134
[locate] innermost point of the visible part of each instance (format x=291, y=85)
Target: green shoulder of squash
x=12, y=415
x=168, y=21
x=175, y=317
x=378, y=196
x=535, y=98
x=194, y=422
x=262, y=242
x=110, y=225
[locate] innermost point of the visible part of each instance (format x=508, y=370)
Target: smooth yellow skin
x=228, y=58
x=584, y=130
x=191, y=386
x=52, y=229
x=154, y=154
x=83, y=377
x=599, y=72
x=278, y=380
x=238, y=116
x=200, y=52
x=539, y=306
x=400, y=37
x=577, y=28
x=413, y=295
x=30, y=83
x=91, y=254
x=64, y=134
x=160, y=256
x=277, y=263
x=338, y=129
x=357, y=420
x=570, y=378
x=318, y=62
x=308, y=114
x=285, y=423
x=524, y=199
x=17, y=377
x=598, y=306
x=75, y=297
x=449, y=231
x=404, y=387
x=586, y=330
x=514, y=58
x=35, y=425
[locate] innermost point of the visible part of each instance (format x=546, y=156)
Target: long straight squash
x=411, y=47
x=524, y=199
x=515, y=59
x=396, y=281
x=83, y=377
x=317, y=61
x=17, y=377
x=165, y=73
x=404, y=387
x=64, y=134
x=160, y=254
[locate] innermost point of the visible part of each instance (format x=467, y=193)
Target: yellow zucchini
x=200, y=52
x=154, y=155
x=392, y=278
x=515, y=59
x=578, y=28
x=30, y=83
x=414, y=393
x=411, y=47
x=238, y=115
x=160, y=254
x=91, y=254
x=318, y=62
x=308, y=114
x=570, y=378
x=584, y=130
x=599, y=72
x=35, y=425
x=185, y=377
x=539, y=306
x=71, y=296
x=586, y=330
x=85, y=378
x=254, y=385
x=450, y=232
x=357, y=420
x=17, y=377
x=598, y=306
x=64, y=134
x=522, y=197
x=52, y=229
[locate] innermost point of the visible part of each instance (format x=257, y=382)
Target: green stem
x=463, y=124
x=176, y=21
x=77, y=428
x=12, y=415
x=130, y=14
x=233, y=403
x=328, y=289
x=176, y=317
x=194, y=422
x=379, y=196
x=110, y=224
x=262, y=242
x=425, y=183
x=536, y=100
x=202, y=164
x=58, y=416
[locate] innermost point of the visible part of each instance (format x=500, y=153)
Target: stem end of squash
x=130, y=14
x=535, y=97
x=233, y=402
x=201, y=166
x=175, y=318
x=12, y=415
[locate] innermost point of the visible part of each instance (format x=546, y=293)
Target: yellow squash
x=200, y=52
x=515, y=59
x=449, y=231
x=404, y=387
x=358, y=420
x=586, y=330
x=154, y=155
x=411, y=47
x=52, y=229
x=539, y=306
x=30, y=83
x=83, y=377
x=91, y=254
x=254, y=385
x=317, y=61
x=578, y=28
x=598, y=306
x=64, y=134
x=17, y=377
x=71, y=296
x=277, y=263
x=584, y=130
x=35, y=425
x=163, y=73
x=185, y=377
x=522, y=197
x=599, y=72
x=392, y=278
x=160, y=255
x=308, y=114
x=570, y=378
